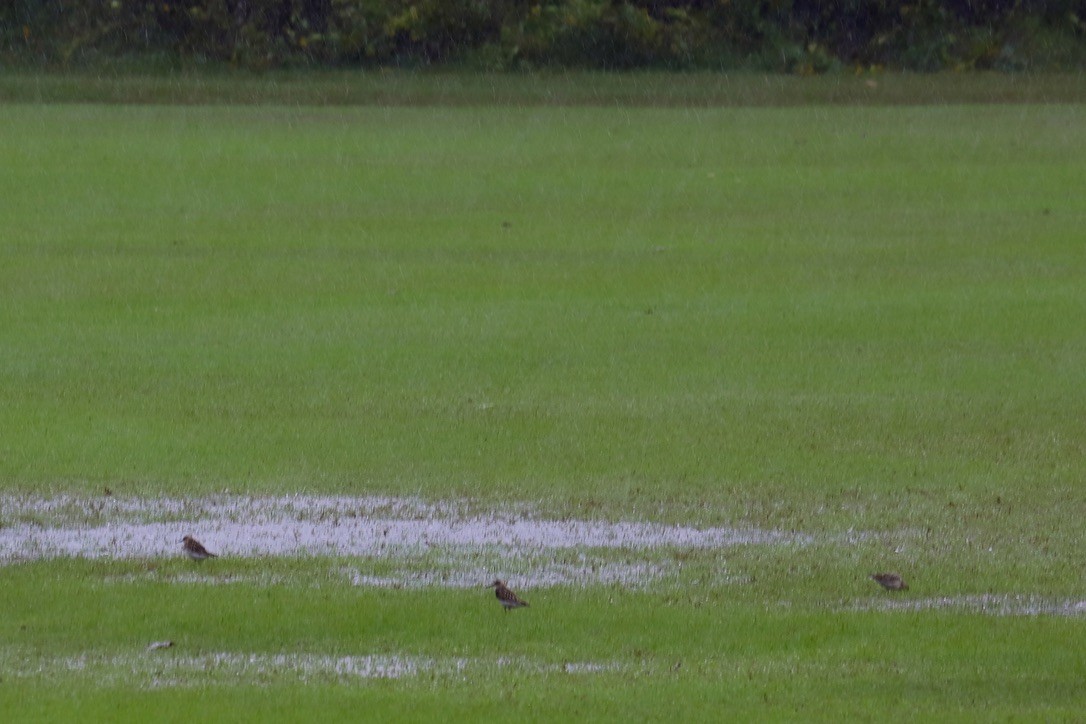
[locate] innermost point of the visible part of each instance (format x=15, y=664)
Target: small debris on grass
x=155, y=646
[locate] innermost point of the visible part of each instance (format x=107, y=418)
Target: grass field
x=857, y=324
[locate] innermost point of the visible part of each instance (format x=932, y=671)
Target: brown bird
x=195, y=550
x=505, y=597
x=890, y=581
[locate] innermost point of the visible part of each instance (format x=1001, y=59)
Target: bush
x=791, y=35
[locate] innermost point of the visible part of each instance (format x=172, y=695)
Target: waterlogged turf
x=855, y=328
x=597, y=652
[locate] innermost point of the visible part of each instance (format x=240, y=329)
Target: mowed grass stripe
x=487, y=301
x=861, y=323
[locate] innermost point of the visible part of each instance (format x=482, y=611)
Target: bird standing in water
x=195, y=550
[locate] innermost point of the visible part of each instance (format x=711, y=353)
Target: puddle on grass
x=539, y=574
x=242, y=527
x=991, y=604
x=167, y=668
x=528, y=572
x=406, y=543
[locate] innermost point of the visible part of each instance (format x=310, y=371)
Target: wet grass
x=820, y=319
x=403, y=88
x=662, y=655
x=614, y=306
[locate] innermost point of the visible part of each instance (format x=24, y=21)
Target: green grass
x=738, y=658
x=443, y=88
x=871, y=87
x=823, y=318
x=538, y=303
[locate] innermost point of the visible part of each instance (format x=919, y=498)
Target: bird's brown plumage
x=505, y=597
x=195, y=550
x=890, y=581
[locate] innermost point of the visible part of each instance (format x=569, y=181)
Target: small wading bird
x=506, y=598
x=194, y=550
x=890, y=581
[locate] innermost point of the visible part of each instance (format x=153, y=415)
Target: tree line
x=799, y=36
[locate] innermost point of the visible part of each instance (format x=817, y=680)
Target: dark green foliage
x=803, y=36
